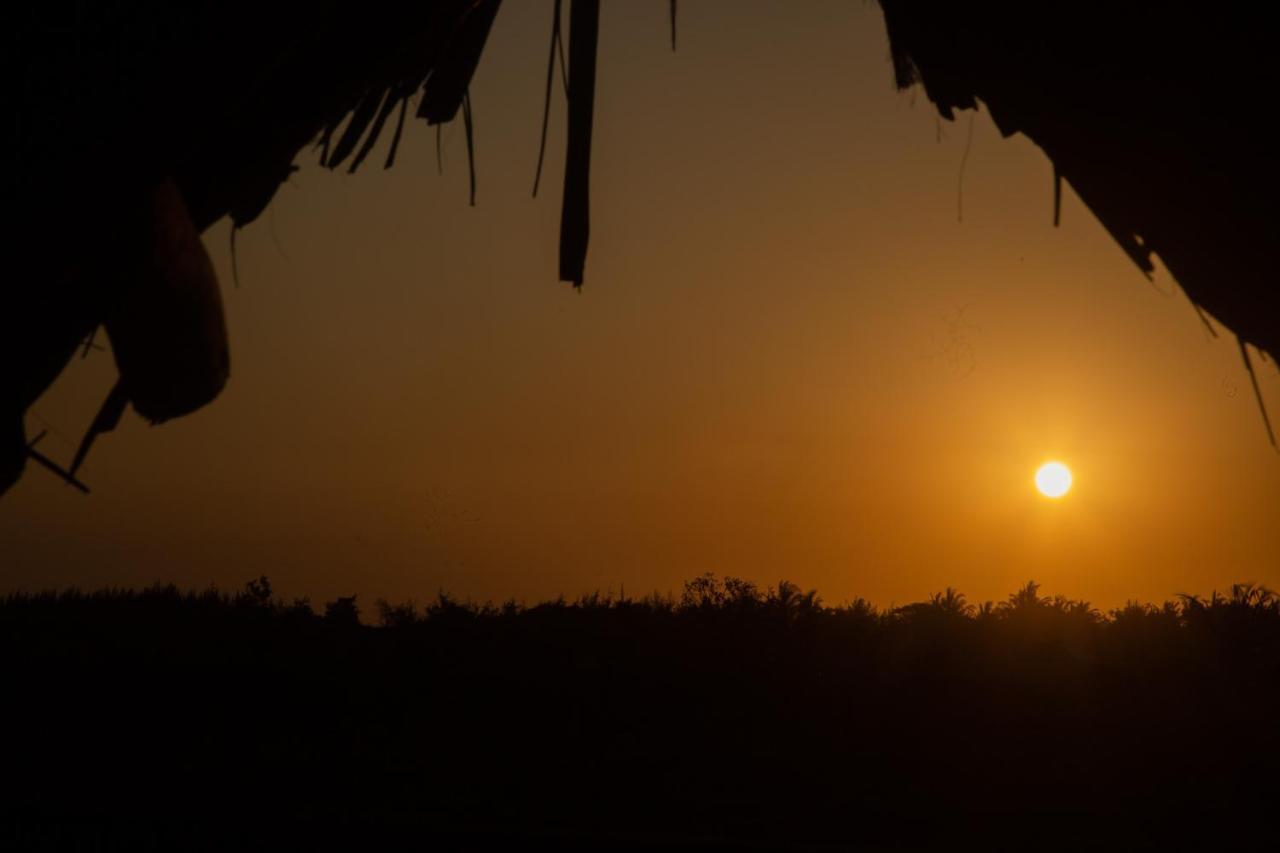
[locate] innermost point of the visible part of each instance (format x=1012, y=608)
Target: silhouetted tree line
x=729, y=715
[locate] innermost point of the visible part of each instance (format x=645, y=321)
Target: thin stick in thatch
x=546, y=98
x=564, y=65
x=469, y=127
x=1204, y=318
x=235, y=260
x=1257, y=391
x=107, y=419
x=673, y=26
x=326, y=136
x=394, y=98
x=361, y=119
x=395, y=138
x=90, y=343
x=45, y=461
x=584, y=32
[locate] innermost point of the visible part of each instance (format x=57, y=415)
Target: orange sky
x=789, y=360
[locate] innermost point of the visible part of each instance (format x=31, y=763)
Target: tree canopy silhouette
x=726, y=716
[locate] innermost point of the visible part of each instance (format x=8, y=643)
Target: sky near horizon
x=817, y=341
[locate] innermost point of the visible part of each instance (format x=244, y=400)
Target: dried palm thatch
x=1156, y=113
x=138, y=127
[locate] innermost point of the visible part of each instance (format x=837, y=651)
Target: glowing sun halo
x=1053, y=479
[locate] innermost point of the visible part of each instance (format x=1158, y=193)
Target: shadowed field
x=729, y=716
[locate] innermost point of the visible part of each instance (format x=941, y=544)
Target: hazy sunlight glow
x=1053, y=479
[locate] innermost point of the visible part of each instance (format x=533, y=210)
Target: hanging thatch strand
x=584, y=27
x=546, y=98
x=1257, y=390
x=395, y=138
x=469, y=127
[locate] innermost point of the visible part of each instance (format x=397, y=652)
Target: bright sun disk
x=1053, y=479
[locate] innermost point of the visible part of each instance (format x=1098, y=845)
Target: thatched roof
x=138, y=127
x=1157, y=114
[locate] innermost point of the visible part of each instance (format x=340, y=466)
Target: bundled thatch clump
x=138, y=127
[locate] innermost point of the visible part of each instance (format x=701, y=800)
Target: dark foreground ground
x=727, y=718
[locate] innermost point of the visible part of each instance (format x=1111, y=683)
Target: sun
x=1053, y=479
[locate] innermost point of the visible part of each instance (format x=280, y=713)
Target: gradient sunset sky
x=816, y=341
